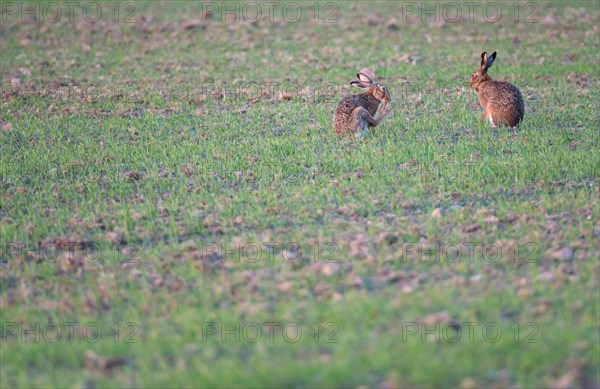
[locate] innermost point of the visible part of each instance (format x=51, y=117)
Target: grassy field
x=175, y=209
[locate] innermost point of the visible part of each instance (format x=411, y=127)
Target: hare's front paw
x=387, y=108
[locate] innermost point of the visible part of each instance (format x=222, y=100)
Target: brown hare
x=502, y=102
x=356, y=113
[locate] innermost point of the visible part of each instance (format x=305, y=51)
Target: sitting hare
x=355, y=113
x=502, y=102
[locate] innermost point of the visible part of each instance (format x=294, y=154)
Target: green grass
x=138, y=179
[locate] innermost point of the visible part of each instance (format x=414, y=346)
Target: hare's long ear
x=483, y=60
x=487, y=61
x=361, y=84
x=364, y=77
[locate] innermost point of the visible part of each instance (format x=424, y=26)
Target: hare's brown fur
x=501, y=101
x=355, y=113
